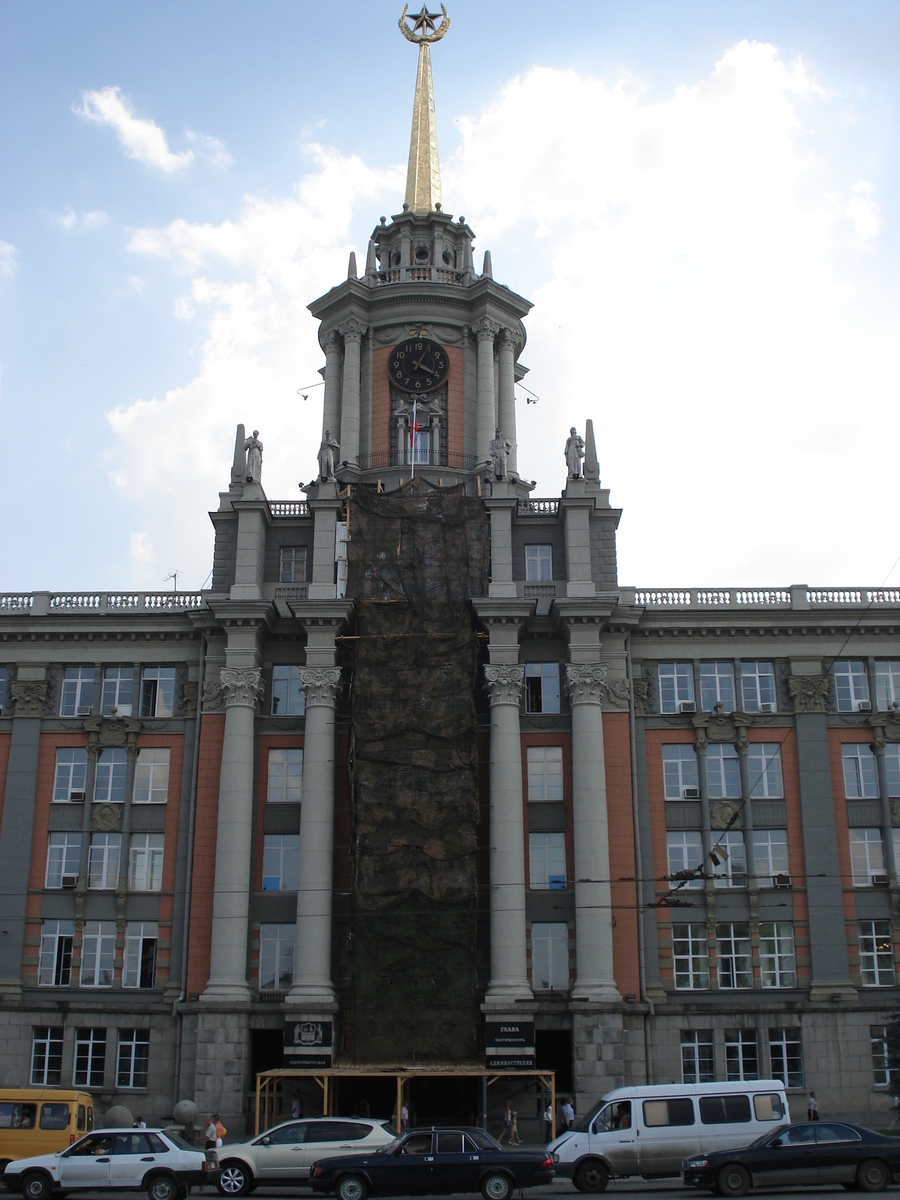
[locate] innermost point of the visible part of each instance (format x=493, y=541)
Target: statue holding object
x=574, y=453
x=327, y=451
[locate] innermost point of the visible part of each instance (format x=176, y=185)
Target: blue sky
x=700, y=198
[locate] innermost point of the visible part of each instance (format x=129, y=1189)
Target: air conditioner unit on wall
x=69, y=881
x=864, y=706
x=83, y=710
x=76, y=797
x=767, y=707
x=879, y=880
x=781, y=881
x=690, y=793
x=687, y=706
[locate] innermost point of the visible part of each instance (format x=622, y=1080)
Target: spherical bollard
x=117, y=1117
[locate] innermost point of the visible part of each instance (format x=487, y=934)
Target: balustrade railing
x=538, y=508
x=797, y=597
x=288, y=508
x=40, y=603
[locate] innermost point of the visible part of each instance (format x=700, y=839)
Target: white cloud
x=141, y=138
x=68, y=218
x=8, y=257
x=210, y=147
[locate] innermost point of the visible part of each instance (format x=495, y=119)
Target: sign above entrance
x=307, y=1043
x=509, y=1045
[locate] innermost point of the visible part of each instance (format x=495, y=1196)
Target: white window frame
x=55, y=959
x=734, y=964
x=46, y=1055
x=546, y=693
x=276, y=956
x=876, y=954
x=104, y=861
x=538, y=562
x=723, y=772
x=684, y=852
x=98, y=952
x=133, y=1059
x=550, y=956
x=146, y=857
x=63, y=858
x=89, y=1065
x=866, y=855
x=860, y=771
x=111, y=775
x=690, y=956
x=118, y=682
x=138, y=936
x=698, y=1056
x=545, y=773
x=717, y=685
x=881, y=1055
x=758, y=690
x=151, y=775
x=766, y=779
x=295, y=699
x=851, y=684
x=731, y=871
x=680, y=770
x=70, y=774
x=741, y=1055
x=547, y=861
x=777, y=961
x=77, y=691
x=785, y=1048
x=676, y=685
x=284, y=778
x=281, y=862
x=158, y=692
x=892, y=768
x=289, y=557
x=887, y=683
x=4, y=679
x=771, y=856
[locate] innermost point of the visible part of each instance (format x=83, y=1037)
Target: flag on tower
x=413, y=441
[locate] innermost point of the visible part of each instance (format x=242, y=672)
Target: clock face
x=418, y=365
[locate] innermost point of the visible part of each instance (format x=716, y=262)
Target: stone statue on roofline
x=327, y=451
x=574, y=453
x=253, y=448
x=499, y=451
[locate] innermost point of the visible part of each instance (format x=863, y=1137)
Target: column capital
x=507, y=337
x=353, y=330
x=584, y=683
x=485, y=329
x=28, y=696
x=504, y=684
x=330, y=342
x=242, y=686
x=321, y=685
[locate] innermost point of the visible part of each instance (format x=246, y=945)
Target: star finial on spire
x=424, y=27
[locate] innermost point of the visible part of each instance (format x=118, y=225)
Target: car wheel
x=873, y=1175
x=235, y=1180
x=36, y=1186
x=591, y=1177
x=162, y=1187
x=733, y=1180
x=352, y=1187
x=496, y=1186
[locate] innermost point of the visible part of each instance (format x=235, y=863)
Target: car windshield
x=179, y=1140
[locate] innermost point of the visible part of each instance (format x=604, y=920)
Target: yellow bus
x=41, y=1121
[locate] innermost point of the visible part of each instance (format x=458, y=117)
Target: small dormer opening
x=422, y=254
x=448, y=257
x=395, y=257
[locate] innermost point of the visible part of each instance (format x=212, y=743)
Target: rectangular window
x=145, y=862
x=876, y=954
x=103, y=861
x=851, y=685
x=698, y=1064
x=3, y=681
x=728, y=855
x=764, y=770
x=733, y=956
x=46, y=1055
x=685, y=853
x=285, y=776
x=680, y=775
x=758, y=687
x=55, y=962
x=542, y=687
x=549, y=956
x=133, y=1061
x=90, y=1058
x=777, y=966
x=158, y=692
x=676, y=686
x=892, y=768
x=860, y=771
x=690, y=953
x=881, y=1038
x=545, y=773
x=281, y=862
x=867, y=857
x=292, y=564
x=98, y=949
x=151, y=776
x=70, y=780
x=109, y=778
x=117, y=692
x=77, y=692
x=677, y=1111
x=276, y=957
x=538, y=564
x=724, y=1110
x=786, y=1056
x=887, y=683
x=288, y=696
x=717, y=686
x=770, y=855
x=547, y=860
x=723, y=772
x=139, y=969
x=63, y=859
x=741, y=1055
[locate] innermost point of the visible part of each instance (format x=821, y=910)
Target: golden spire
x=423, y=176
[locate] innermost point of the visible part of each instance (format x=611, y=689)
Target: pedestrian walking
x=506, y=1131
x=220, y=1129
x=568, y=1114
x=812, y=1107
x=404, y=1118
x=548, y=1122
x=514, y=1139
x=211, y=1134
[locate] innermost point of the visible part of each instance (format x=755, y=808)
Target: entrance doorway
x=553, y=1052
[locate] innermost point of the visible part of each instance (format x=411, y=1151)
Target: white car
x=162, y=1164
x=286, y=1153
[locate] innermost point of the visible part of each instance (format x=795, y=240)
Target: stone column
x=485, y=331
x=509, y=972
x=352, y=333
x=242, y=687
x=312, y=987
x=331, y=409
x=593, y=897
x=507, y=397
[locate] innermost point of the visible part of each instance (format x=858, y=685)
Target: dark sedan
x=431, y=1162
x=817, y=1153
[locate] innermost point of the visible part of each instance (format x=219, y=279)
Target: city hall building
x=419, y=783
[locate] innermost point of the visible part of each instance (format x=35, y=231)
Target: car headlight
x=693, y=1163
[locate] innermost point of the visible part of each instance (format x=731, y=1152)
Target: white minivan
x=649, y=1130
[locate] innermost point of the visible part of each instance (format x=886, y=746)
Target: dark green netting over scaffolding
x=414, y=559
